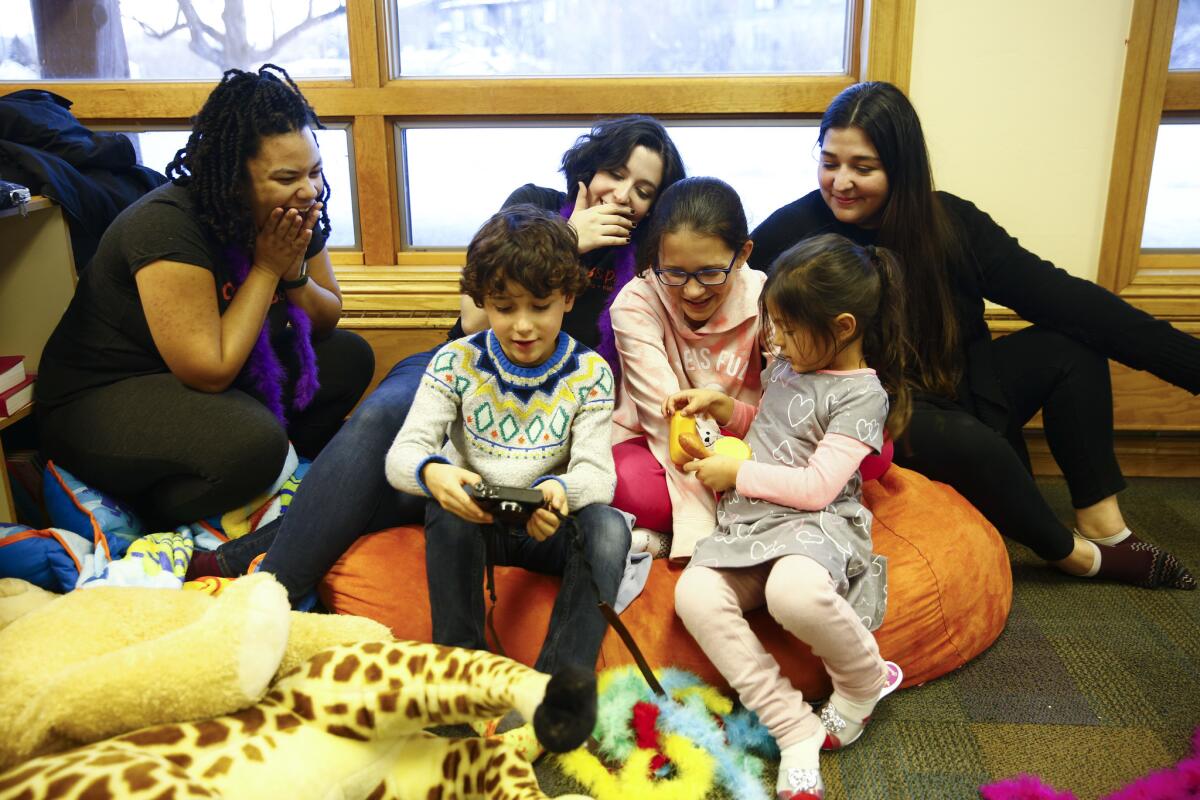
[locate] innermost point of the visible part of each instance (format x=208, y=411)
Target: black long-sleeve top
x=996, y=267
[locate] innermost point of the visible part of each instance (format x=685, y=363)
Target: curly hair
x=529, y=245
x=609, y=144
x=242, y=109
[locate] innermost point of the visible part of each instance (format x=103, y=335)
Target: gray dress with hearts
x=796, y=411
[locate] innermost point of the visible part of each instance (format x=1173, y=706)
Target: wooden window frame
x=381, y=278
x=1164, y=283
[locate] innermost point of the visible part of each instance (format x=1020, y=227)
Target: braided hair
x=228, y=131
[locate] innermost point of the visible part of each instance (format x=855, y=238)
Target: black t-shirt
x=103, y=336
x=580, y=321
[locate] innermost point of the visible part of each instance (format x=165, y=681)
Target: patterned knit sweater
x=515, y=426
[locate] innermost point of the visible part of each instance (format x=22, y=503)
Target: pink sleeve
x=647, y=377
x=808, y=488
x=743, y=415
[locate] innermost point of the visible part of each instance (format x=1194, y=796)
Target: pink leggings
x=799, y=594
x=642, y=485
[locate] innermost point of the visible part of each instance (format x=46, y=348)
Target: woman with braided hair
x=202, y=335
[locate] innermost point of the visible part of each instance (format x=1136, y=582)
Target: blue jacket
x=93, y=176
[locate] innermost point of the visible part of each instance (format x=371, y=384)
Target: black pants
x=178, y=455
x=1070, y=384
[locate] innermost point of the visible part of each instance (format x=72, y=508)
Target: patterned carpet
x=1090, y=686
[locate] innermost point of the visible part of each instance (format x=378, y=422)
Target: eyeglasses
x=709, y=276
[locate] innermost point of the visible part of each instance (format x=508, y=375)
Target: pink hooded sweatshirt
x=660, y=355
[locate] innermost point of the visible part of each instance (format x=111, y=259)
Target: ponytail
x=886, y=345
x=824, y=276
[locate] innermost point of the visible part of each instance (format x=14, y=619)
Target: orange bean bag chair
x=949, y=592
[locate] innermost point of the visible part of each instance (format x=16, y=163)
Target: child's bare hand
x=718, y=473
x=544, y=523
x=445, y=482
x=691, y=402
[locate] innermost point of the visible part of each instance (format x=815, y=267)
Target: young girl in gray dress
x=792, y=533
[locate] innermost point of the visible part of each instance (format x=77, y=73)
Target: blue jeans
x=344, y=495
x=455, y=555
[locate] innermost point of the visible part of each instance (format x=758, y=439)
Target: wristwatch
x=299, y=281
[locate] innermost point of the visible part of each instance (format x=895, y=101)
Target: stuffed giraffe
x=348, y=723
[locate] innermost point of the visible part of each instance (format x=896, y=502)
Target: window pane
x=619, y=37
x=1185, y=50
x=156, y=40
x=157, y=148
x=769, y=166
x=1171, y=219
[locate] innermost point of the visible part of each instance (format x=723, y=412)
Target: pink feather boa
x=1180, y=782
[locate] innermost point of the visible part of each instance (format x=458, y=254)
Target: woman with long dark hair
x=976, y=394
x=614, y=174
x=202, y=334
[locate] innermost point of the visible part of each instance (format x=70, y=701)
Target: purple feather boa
x=263, y=369
x=623, y=269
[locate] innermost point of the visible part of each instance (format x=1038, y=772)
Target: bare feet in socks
x=1125, y=558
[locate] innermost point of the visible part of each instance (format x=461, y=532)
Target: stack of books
x=16, y=386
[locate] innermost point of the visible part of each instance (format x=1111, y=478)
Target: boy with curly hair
x=522, y=404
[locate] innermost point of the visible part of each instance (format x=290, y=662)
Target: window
x=1185, y=44
x=729, y=76
x=171, y=39
x=1173, y=208
x=585, y=37
x=454, y=181
x=1151, y=248
x=156, y=148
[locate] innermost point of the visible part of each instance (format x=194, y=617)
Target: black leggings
x=178, y=455
x=1071, y=385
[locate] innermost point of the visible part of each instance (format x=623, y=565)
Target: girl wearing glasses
x=975, y=394
x=690, y=321
x=794, y=536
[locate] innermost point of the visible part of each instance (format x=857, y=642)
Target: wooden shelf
x=36, y=203
x=20, y=414
x=37, y=281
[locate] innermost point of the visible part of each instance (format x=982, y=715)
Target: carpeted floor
x=1090, y=686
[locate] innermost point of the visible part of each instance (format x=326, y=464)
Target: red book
x=16, y=398
x=12, y=371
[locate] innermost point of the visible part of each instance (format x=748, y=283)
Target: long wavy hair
x=609, y=144
x=815, y=281
x=242, y=109
x=914, y=225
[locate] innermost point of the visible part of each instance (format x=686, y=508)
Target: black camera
x=508, y=505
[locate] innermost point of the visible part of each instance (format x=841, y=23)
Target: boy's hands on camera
x=691, y=402
x=445, y=482
x=544, y=523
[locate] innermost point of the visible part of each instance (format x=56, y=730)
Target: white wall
x=1019, y=102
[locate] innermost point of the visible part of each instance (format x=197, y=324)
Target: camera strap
x=609, y=613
